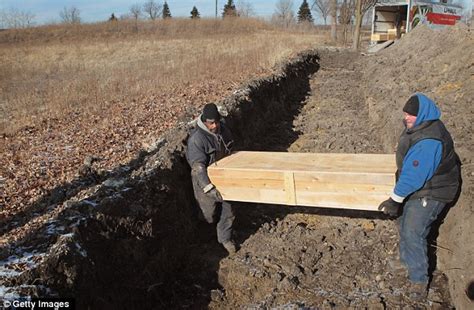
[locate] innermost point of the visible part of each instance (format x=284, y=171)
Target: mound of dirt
x=441, y=65
x=437, y=63
x=309, y=258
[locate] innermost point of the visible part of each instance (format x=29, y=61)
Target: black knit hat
x=210, y=112
x=412, y=106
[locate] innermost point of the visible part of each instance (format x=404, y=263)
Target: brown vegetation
x=109, y=91
x=55, y=69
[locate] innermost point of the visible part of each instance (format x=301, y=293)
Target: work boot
x=230, y=247
x=418, y=291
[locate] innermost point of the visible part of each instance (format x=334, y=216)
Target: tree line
x=341, y=11
x=346, y=13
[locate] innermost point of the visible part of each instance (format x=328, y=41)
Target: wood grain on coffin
x=353, y=181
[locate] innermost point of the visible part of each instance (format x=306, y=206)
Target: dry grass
x=160, y=29
x=51, y=70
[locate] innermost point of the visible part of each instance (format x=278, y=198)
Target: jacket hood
x=427, y=111
x=203, y=127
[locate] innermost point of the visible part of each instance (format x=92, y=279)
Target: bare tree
x=244, y=9
x=152, y=9
x=136, y=11
x=284, y=14
x=126, y=16
x=334, y=19
x=358, y=25
x=346, y=12
x=367, y=5
x=15, y=18
x=322, y=8
x=70, y=15
x=362, y=6
x=27, y=19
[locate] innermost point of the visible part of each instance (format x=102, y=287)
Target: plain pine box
x=328, y=180
x=379, y=37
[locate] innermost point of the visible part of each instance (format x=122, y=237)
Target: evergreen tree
x=166, y=11
x=112, y=18
x=195, y=13
x=304, y=13
x=229, y=9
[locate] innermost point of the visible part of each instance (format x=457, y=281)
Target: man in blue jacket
x=211, y=141
x=427, y=178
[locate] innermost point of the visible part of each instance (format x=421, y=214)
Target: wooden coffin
x=392, y=31
x=379, y=37
x=376, y=37
x=352, y=181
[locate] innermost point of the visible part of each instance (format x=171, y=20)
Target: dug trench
x=316, y=258
x=174, y=262
x=132, y=238
x=135, y=240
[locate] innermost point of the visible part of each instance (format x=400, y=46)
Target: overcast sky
x=47, y=11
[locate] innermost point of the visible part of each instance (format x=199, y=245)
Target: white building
x=392, y=18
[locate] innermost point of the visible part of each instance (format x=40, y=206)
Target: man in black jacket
x=211, y=141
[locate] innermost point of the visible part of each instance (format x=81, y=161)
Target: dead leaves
x=35, y=160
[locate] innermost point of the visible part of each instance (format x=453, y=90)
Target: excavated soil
x=135, y=241
x=304, y=258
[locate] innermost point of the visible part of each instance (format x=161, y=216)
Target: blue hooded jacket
x=427, y=153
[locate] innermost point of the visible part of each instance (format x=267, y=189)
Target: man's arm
x=197, y=159
x=199, y=171
x=419, y=165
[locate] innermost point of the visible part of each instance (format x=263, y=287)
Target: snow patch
x=8, y=293
x=14, y=265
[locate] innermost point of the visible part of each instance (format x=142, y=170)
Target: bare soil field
x=128, y=223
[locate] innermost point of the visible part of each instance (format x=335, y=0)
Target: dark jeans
x=215, y=211
x=415, y=224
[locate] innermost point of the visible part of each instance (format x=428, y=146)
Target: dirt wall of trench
x=129, y=241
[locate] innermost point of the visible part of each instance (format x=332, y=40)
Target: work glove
x=390, y=207
x=211, y=191
x=214, y=194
